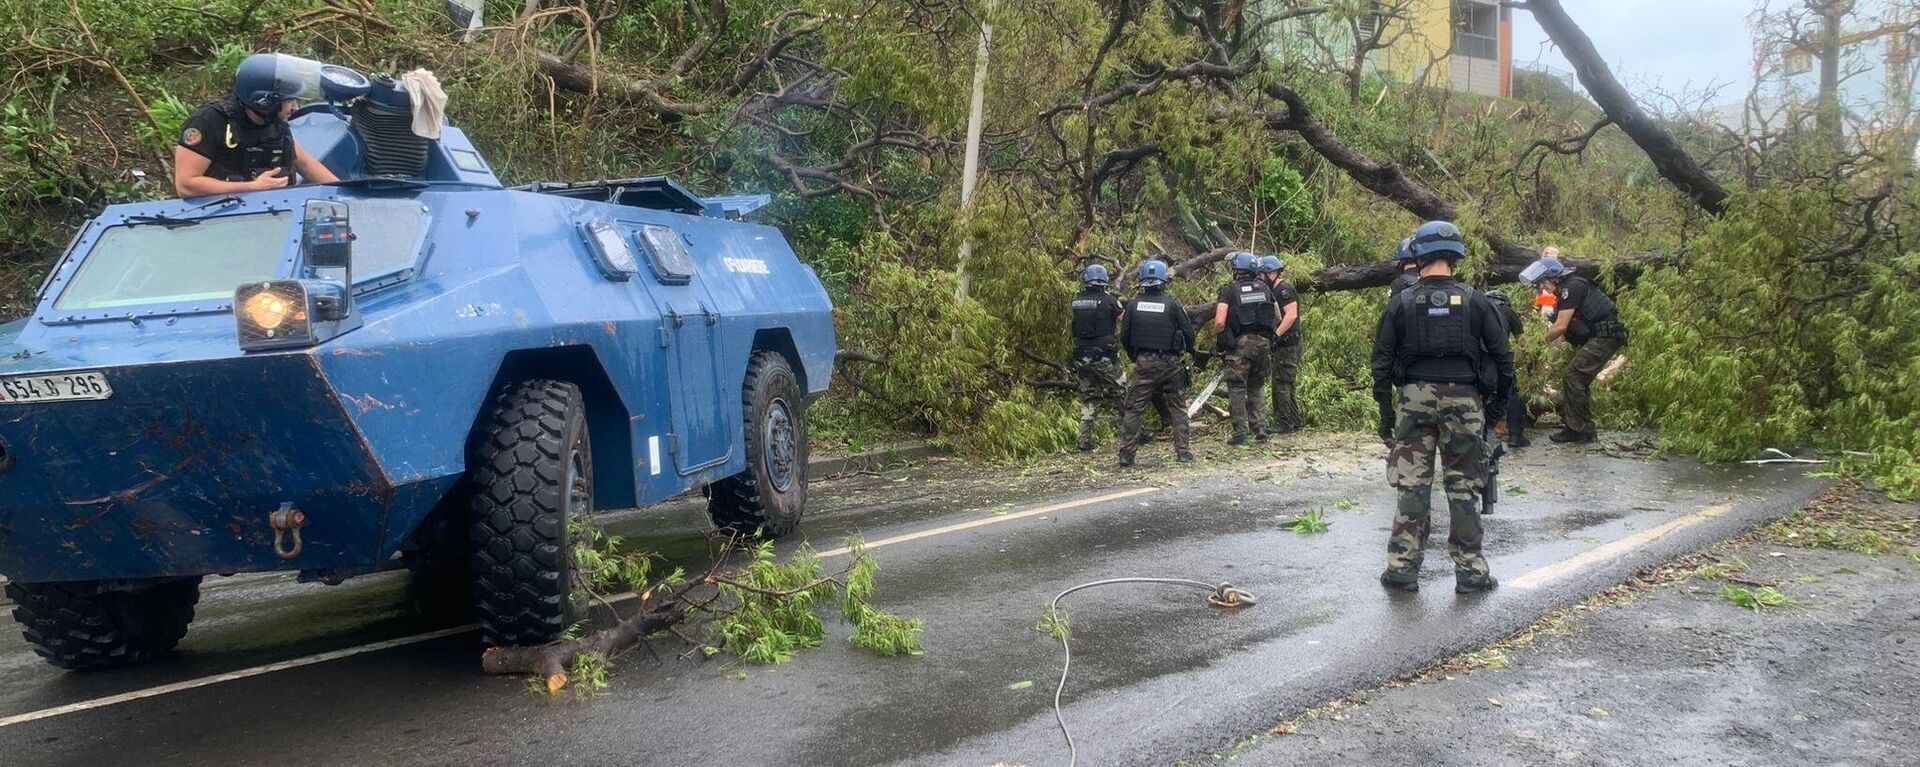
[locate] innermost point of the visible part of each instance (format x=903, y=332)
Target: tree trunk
x=1672, y=161
x=551, y=661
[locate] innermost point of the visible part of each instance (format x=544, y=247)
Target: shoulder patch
x=190, y=137
x=1564, y=292
x=1455, y=299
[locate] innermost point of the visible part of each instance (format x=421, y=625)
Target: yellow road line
x=167, y=689
x=1617, y=548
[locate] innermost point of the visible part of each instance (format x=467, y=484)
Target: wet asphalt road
x=1158, y=678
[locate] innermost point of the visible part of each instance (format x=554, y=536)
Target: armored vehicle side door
x=689, y=330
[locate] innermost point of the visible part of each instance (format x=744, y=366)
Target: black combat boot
x=1085, y=445
x=1391, y=581
x=1569, y=436
x=1518, y=439
x=1261, y=434
x=1126, y=458
x=1239, y=438
x=1184, y=457
x=1471, y=584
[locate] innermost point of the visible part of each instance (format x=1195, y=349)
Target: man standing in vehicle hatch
x=1441, y=352
x=240, y=142
x=1155, y=332
x=1589, y=320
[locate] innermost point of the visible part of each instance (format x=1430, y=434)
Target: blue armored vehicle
x=416, y=367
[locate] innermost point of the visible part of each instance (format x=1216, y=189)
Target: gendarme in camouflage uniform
x=1244, y=318
x=1286, y=347
x=1155, y=333
x=1440, y=355
x=1096, y=358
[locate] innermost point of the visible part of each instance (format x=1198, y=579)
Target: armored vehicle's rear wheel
x=77, y=626
x=532, y=477
x=771, y=494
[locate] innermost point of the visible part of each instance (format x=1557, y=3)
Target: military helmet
x=264, y=80
x=1269, y=265
x=1243, y=261
x=1095, y=275
x=1545, y=268
x=1405, y=251
x=1438, y=238
x=1153, y=272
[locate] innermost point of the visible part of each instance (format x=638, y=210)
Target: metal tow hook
x=1227, y=597
x=287, y=521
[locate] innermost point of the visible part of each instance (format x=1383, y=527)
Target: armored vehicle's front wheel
x=771, y=494
x=77, y=626
x=532, y=478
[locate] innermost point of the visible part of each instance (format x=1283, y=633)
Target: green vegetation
x=1314, y=521
x=1837, y=522
x=1789, y=320
x=778, y=608
x=1757, y=600
x=1054, y=623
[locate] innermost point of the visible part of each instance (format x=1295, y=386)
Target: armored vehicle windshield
x=177, y=260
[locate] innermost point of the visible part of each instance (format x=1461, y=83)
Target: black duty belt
x=1610, y=328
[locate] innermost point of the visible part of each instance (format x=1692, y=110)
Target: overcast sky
x=1672, y=45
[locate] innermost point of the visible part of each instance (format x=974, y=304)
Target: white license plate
x=54, y=387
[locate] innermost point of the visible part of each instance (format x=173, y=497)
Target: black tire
x=77, y=626
x=532, y=474
x=770, y=496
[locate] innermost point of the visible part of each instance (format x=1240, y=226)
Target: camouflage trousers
x=1246, y=367
x=1097, y=377
x=1577, y=389
x=1286, y=371
x=1447, y=418
x=1156, y=376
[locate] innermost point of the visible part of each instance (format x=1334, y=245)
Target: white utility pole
x=970, y=175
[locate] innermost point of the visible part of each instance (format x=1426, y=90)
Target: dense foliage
x=854, y=113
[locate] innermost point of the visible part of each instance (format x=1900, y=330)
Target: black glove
x=1200, y=359
x=1386, y=425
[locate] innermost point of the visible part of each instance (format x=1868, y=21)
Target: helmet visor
x=1534, y=272
x=296, y=78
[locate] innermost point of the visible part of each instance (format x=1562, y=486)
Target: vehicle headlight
x=268, y=311
x=274, y=315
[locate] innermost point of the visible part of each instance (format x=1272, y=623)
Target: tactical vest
x=1251, y=312
x=1093, y=316
x=1150, y=324
x=1596, y=317
x=1438, y=341
x=245, y=149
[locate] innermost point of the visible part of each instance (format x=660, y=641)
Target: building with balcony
x=1466, y=45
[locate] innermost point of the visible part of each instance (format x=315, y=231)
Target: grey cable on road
x=1223, y=595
